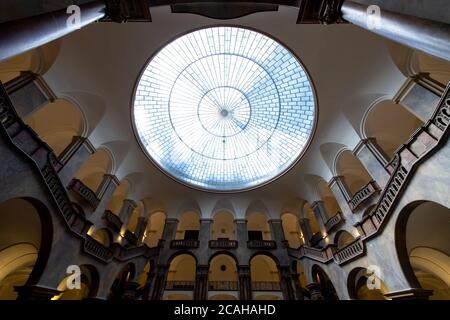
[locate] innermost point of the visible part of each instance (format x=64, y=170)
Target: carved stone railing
x=98, y=250
x=130, y=237
x=261, y=244
x=223, y=244
x=266, y=286
x=349, y=252
x=113, y=220
x=184, y=244
x=423, y=142
x=29, y=143
x=362, y=195
x=26, y=141
x=180, y=285
x=84, y=192
x=323, y=255
x=334, y=221
x=223, y=285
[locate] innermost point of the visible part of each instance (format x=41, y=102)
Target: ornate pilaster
x=201, y=283
x=286, y=283
x=159, y=282
x=127, y=209
x=245, y=283
x=276, y=227
x=315, y=291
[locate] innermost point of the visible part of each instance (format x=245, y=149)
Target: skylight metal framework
x=224, y=109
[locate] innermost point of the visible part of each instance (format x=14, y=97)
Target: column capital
x=274, y=221
x=206, y=220
x=320, y=12
x=172, y=220
x=240, y=220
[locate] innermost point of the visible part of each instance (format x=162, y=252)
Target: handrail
x=180, y=285
x=113, y=220
x=184, y=244
x=349, y=252
x=223, y=244
x=266, y=286
x=223, y=285
x=261, y=244
x=363, y=194
x=334, y=221
x=84, y=192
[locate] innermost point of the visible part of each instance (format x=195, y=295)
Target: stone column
x=241, y=233
x=297, y=285
x=318, y=208
x=315, y=291
x=306, y=230
x=341, y=195
x=104, y=193
x=373, y=159
x=204, y=237
x=22, y=35
x=28, y=93
x=245, y=283
x=170, y=230
x=159, y=282
x=140, y=228
x=429, y=36
x=73, y=157
x=201, y=283
x=286, y=283
x=125, y=212
x=276, y=229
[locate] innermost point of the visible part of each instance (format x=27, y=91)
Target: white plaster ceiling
x=99, y=65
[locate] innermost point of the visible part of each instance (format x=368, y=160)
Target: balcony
x=97, y=249
x=261, y=244
x=223, y=285
x=362, y=195
x=180, y=285
x=84, y=192
x=184, y=244
x=349, y=252
x=113, y=220
x=265, y=286
x=223, y=244
x=334, y=221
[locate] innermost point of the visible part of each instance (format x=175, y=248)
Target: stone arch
x=88, y=286
x=155, y=227
x=126, y=274
x=365, y=285
x=326, y=285
x=292, y=231
x=352, y=171
x=258, y=226
x=188, y=225
x=118, y=196
x=38, y=61
x=223, y=272
x=94, y=169
x=223, y=226
x=389, y=125
x=223, y=205
x=425, y=260
x=25, y=242
x=58, y=123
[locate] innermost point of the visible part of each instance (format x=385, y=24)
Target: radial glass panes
x=224, y=109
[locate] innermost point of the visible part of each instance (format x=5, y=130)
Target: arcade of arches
x=362, y=212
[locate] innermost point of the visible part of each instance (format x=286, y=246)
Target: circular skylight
x=224, y=109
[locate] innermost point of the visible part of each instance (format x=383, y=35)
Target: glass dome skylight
x=224, y=109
